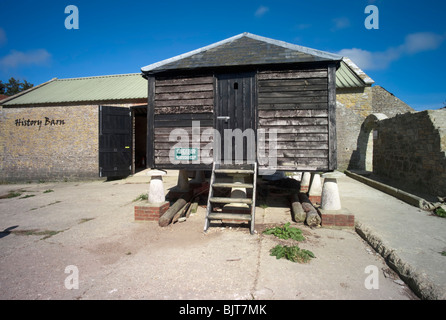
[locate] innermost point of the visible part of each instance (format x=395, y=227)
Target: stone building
x=356, y=99
x=52, y=131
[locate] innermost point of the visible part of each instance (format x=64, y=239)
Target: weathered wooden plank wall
x=178, y=102
x=295, y=104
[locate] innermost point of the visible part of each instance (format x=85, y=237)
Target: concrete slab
x=410, y=239
x=91, y=226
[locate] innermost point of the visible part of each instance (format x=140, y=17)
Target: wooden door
x=115, y=142
x=235, y=112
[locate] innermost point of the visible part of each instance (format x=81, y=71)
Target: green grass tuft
x=292, y=253
x=142, y=196
x=440, y=212
x=286, y=232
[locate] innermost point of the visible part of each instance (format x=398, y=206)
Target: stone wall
x=49, y=142
x=386, y=103
x=410, y=150
x=40, y=143
x=354, y=105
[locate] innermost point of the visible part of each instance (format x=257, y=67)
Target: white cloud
x=260, y=12
x=17, y=58
x=414, y=43
x=422, y=41
x=3, y=38
x=340, y=23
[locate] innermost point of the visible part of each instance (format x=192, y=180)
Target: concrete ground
x=54, y=232
x=411, y=240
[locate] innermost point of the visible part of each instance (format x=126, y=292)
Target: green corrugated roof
x=350, y=76
x=101, y=88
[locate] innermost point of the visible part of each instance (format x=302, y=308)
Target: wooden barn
x=242, y=106
x=244, y=82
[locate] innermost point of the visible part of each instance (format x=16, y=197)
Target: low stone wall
x=410, y=149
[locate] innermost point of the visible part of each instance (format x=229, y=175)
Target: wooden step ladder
x=230, y=179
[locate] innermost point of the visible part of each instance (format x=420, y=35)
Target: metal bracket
x=226, y=118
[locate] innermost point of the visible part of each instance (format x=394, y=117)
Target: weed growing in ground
x=142, y=196
x=440, y=212
x=83, y=220
x=46, y=233
x=11, y=194
x=292, y=253
x=286, y=232
x=27, y=196
x=48, y=191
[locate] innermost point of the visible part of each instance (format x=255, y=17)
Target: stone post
x=183, y=181
x=315, y=192
x=156, y=187
x=156, y=204
x=332, y=213
x=305, y=183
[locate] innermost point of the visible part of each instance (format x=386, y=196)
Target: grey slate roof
x=242, y=50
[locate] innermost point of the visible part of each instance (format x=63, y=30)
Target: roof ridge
x=296, y=47
x=102, y=76
x=283, y=44
x=27, y=91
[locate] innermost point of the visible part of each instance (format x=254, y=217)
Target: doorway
x=139, y=138
x=235, y=118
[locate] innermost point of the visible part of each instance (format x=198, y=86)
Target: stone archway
x=365, y=140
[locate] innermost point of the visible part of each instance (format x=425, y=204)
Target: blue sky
x=405, y=55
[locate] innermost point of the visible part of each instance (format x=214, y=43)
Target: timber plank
x=293, y=106
x=296, y=99
x=184, y=81
x=293, y=122
x=176, y=103
x=294, y=130
x=184, y=88
x=184, y=109
x=292, y=75
x=292, y=113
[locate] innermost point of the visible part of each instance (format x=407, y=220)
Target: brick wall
x=411, y=151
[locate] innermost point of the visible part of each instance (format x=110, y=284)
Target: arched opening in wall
x=367, y=135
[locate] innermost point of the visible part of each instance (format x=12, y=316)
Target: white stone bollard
x=156, y=187
x=183, y=181
x=305, y=183
x=315, y=189
x=297, y=176
x=330, y=199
